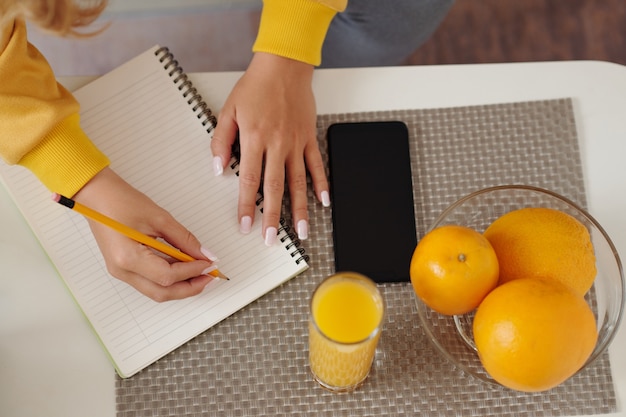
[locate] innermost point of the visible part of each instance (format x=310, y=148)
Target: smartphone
x=372, y=199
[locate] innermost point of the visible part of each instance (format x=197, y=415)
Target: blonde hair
x=61, y=17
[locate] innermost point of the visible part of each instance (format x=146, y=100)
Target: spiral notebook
x=156, y=129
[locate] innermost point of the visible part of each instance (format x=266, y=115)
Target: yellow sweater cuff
x=65, y=159
x=294, y=29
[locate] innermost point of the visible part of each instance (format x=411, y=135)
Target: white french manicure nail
x=325, y=199
x=218, y=167
x=210, y=255
x=270, y=236
x=303, y=229
x=245, y=225
x=209, y=269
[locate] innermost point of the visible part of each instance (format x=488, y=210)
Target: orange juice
x=346, y=316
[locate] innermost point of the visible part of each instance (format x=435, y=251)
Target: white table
x=51, y=363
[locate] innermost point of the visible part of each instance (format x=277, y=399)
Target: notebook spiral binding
x=194, y=99
x=205, y=114
x=294, y=246
x=289, y=239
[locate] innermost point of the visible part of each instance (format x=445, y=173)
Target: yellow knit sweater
x=296, y=28
x=39, y=122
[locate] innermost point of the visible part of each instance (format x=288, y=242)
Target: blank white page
x=140, y=119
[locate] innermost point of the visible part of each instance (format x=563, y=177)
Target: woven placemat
x=255, y=362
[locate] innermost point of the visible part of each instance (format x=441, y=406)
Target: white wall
x=151, y=7
x=217, y=36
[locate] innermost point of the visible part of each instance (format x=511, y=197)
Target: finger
x=179, y=290
x=273, y=190
x=296, y=178
x=181, y=238
x=250, y=168
x=315, y=165
x=222, y=142
x=139, y=260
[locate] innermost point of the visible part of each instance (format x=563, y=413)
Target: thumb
x=223, y=139
x=180, y=237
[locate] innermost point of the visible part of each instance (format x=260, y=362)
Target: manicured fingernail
x=270, y=236
x=303, y=229
x=245, y=225
x=325, y=199
x=218, y=167
x=209, y=270
x=210, y=255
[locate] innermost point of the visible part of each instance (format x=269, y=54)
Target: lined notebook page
x=139, y=118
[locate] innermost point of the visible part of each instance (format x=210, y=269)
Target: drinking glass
x=346, y=317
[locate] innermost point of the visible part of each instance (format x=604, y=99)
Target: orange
x=532, y=334
x=453, y=268
x=543, y=242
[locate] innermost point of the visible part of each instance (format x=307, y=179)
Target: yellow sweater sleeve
x=296, y=28
x=39, y=122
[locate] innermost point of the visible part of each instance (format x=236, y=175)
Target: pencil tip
x=216, y=273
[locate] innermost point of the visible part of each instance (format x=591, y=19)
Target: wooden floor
x=474, y=31
x=481, y=31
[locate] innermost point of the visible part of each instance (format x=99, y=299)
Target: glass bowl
x=452, y=335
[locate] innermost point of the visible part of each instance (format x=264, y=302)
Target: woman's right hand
x=149, y=272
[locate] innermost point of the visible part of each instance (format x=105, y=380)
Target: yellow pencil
x=129, y=232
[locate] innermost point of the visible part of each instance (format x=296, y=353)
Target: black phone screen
x=372, y=199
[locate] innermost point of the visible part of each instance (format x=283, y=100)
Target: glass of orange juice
x=345, y=323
